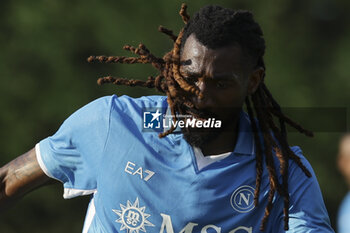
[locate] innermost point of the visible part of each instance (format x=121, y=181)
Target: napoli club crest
x=242, y=199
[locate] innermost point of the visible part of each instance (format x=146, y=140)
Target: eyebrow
x=226, y=76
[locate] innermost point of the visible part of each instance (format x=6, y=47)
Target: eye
x=221, y=85
x=191, y=79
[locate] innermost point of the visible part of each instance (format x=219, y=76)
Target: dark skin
x=225, y=81
x=19, y=177
x=219, y=74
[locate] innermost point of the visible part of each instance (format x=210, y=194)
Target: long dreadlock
x=260, y=105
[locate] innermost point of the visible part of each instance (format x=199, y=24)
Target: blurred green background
x=45, y=77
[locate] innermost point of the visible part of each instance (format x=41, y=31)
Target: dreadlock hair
x=215, y=27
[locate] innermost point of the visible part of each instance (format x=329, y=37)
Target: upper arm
x=307, y=211
x=20, y=176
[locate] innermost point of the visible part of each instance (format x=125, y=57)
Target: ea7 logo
x=242, y=199
x=144, y=174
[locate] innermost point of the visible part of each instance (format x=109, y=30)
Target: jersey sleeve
x=73, y=153
x=307, y=211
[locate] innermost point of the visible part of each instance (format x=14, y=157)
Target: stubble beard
x=198, y=137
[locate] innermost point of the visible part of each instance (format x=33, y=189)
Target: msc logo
x=152, y=119
x=242, y=199
x=132, y=217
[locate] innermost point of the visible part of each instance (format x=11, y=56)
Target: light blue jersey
x=344, y=215
x=141, y=183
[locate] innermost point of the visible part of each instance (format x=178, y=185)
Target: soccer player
x=190, y=161
x=344, y=167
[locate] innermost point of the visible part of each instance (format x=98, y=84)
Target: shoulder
x=127, y=102
x=298, y=152
x=125, y=99
x=298, y=167
x=99, y=111
x=124, y=103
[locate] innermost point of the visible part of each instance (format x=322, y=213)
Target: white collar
x=203, y=161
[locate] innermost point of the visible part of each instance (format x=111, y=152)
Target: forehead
x=225, y=59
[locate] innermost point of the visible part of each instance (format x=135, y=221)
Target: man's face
x=220, y=74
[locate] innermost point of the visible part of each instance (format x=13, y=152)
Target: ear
x=255, y=79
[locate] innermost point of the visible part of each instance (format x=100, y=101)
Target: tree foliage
x=45, y=78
